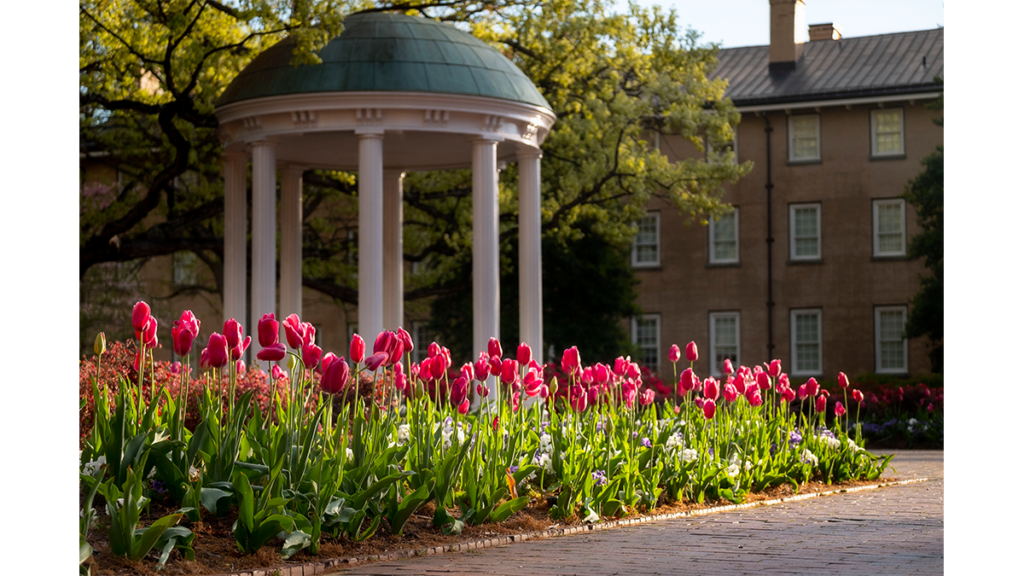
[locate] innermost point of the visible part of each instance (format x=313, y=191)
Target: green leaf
x=267, y=530
x=410, y=504
x=244, y=497
x=150, y=535
x=209, y=497
x=84, y=552
x=296, y=540
x=501, y=513
x=370, y=530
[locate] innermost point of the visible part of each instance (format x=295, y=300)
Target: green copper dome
x=388, y=53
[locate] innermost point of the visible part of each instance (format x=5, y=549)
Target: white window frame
x=716, y=369
x=876, y=244
x=657, y=244
x=793, y=343
x=657, y=338
x=817, y=136
x=419, y=348
x=878, y=340
x=736, y=239
x=792, y=230
x=874, y=133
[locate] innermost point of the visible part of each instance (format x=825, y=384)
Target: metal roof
x=887, y=64
x=380, y=52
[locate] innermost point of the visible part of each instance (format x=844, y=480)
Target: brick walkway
x=893, y=530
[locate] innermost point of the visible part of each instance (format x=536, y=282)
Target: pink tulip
x=149, y=333
x=673, y=354
x=406, y=340
x=775, y=368
x=858, y=396
x=755, y=398
x=459, y=391
x=466, y=371
x=740, y=384
x=311, y=355
x=587, y=376
x=544, y=392
x=385, y=342
x=272, y=353
x=433, y=349
x=801, y=391
x=308, y=333
x=647, y=398
x=524, y=354
x=482, y=367
x=464, y=407
x=601, y=374
x=687, y=381
x=578, y=398
x=570, y=361
x=237, y=351
x=482, y=390
x=495, y=362
x=239, y=367
x=709, y=409
x=633, y=370
x=730, y=393
x=325, y=361
x=592, y=394
x=629, y=392
x=691, y=351
x=204, y=359
x=727, y=367
x=267, y=330
x=782, y=383
x=762, y=381
x=819, y=404
x=812, y=386
x=619, y=369
x=277, y=372
x=533, y=383
x=534, y=365
x=494, y=347
x=711, y=389
x=509, y=371
x=293, y=331
x=843, y=380
x=233, y=332
x=441, y=363
x=377, y=360
x=401, y=380
x=423, y=370
x=788, y=394
x=182, y=338
x=140, y=315
x=357, y=349
x=840, y=409
x=335, y=376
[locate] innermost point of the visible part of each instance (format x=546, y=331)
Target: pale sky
x=745, y=22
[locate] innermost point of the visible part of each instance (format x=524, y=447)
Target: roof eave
x=837, y=98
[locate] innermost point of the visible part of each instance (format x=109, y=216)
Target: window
x=725, y=339
x=421, y=339
x=805, y=231
x=890, y=238
x=804, y=138
x=647, y=335
x=805, y=331
x=646, y=249
x=890, y=345
x=887, y=132
x=723, y=239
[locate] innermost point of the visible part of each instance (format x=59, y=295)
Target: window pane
x=887, y=121
x=807, y=358
x=891, y=325
x=724, y=231
x=805, y=148
x=647, y=339
x=725, y=251
x=890, y=242
x=806, y=328
x=806, y=246
x=888, y=143
x=646, y=253
x=648, y=231
x=892, y=355
x=805, y=136
x=890, y=218
x=806, y=222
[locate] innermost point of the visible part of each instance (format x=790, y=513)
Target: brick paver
x=893, y=530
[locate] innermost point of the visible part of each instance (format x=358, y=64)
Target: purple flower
x=599, y=478
x=795, y=438
x=513, y=468
x=645, y=442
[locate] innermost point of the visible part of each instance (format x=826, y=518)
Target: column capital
x=524, y=152
x=374, y=133
x=485, y=139
x=262, y=141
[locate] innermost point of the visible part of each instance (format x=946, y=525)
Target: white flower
x=193, y=473
x=461, y=436
x=853, y=445
x=732, y=470
x=673, y=443
x=747, y=466
x=151, y=473
x=734, y=460
x=830, y=441
x=808, y=456
x=544, y=460
x=91, y=467
x=689, y=454
x=348, y=453
x=545, y=442
x=403, y=434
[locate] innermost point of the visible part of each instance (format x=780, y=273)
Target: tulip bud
x=709, y=409
x=357, y=349
x=464, y=407
x=293, y=362
x=233, y=332
x=820, y=403
x=727, y=367
x=843, y=380
x=673, y=354
x=509, y=371
x=140, y=315
x=691, y=351
x=711, y=389
x=858, y=396
x=494, y=347
x=524, y=354
x=801, y=391
x=840, y=409
x=406, y=340
x=812, y=386
x=293, y=331
x=482, y=367
x=99, y=346
x=570, y=361
x=482, y=390
x=496, y=365
x=267, y=330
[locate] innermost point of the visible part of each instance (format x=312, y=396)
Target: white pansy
x=734, y=460
x=689, y=454
x=673, y=443
x=830, y=441
x=461, y=436
x=808, y=456
x=732, y=470
x=747, y=466
x=545, y=442
x=348, y=453
x=94, y=465
x=403, y=434
x=853, y=445
x=544, y=461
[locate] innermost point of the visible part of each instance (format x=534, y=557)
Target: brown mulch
x=216, y=552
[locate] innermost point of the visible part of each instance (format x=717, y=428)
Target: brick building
x=811, y=266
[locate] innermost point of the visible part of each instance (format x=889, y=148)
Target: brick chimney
x=827, y=31
x=787, y=35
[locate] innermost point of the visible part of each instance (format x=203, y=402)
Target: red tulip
x=378, y=360
x=840, y=409
x=687, y=381
x=762, y=381
x=578, y=398
x=406, y=340
x=633, y=370
x=439, y=365
x=311, y=355
x=233, y=332
x=788, y=394
x=727, y=367
x=509, y=371
x=423, y=370
x=149, y=333
x=533, y=383
x=293, y=331
x=239, y=367
x=335, y=376
x=711, y=389
x=401, y=382
x=647, y=398
x=482, y=367
x=858, y=396
x=495, y=362
x=433, y=350
x=843, y=380
x=740, y=384
x=602, y=374
x=801, y=391
x=524, y=354
x=277, y=372
x=384, y=342
x=545, y=392
x=237, y=351
x=570, y=361
x=494, y=347
x=729, y=392
x=691, y=351
x=482, y=390
x=357, y=349
x=812, y=386
x=267, y=330
x=140, y=315
x=775, y=368
x=464, y=407
x=272, y=353
x=619, y=369
x=459, y=391
x=819, y=404
x=217, y=349
x=673, y=354
x=782, y=383
x=755, y=398
x=182, y=338
x=709, y=409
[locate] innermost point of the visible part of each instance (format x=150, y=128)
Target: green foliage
x=925, y=194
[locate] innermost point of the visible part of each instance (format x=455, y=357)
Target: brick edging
x=322, y=566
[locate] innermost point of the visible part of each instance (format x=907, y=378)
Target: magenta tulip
x=440, y=365
x=277, y=372
x=533, y=383
x=182, y=338
x=730, y=393
x=691, y=351
x=674, y=354
x=727, y=367
x=311, y=355
x=140, y=315
x=570, y=361
x=496, y=365
x=578, y=398
x=619, y=369
x=293, y=332
x=858, y=396
x=812, y=386
x=459, y=391
x=464, y=407
x=509, y=371
x=335, y=376
x=267, y=330
x=587, y=376
x=357, y=349
x=788, y=394
x=494, y=347
x=602, y=374
x=739, y=383
x=820, y=403
x=840, y=409
x=844, y=382
x=775, y=368
x=482, y=367
x=524, y=354
x=782, y=383
x=401, y=382
x=762, y=381
x=406, y=340
x=647, y=397
x=377, y=360
x=709, y=409
x=801, y=391
x=233, y=332
x=687, y=381
x=711, y=389
x=632, y=370
x=755, y=398
x=482, y=390
x=239, y=367
x=433, y=350
x=237, y=351
x=272, y=353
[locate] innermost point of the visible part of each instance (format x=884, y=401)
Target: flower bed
x=300, y=461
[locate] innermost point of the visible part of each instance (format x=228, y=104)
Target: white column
x=264, y=236
x=371, y=235
x=393, y=266
x=291, y=243
x=485, y=244
x=531, y=316
x=235, y=164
